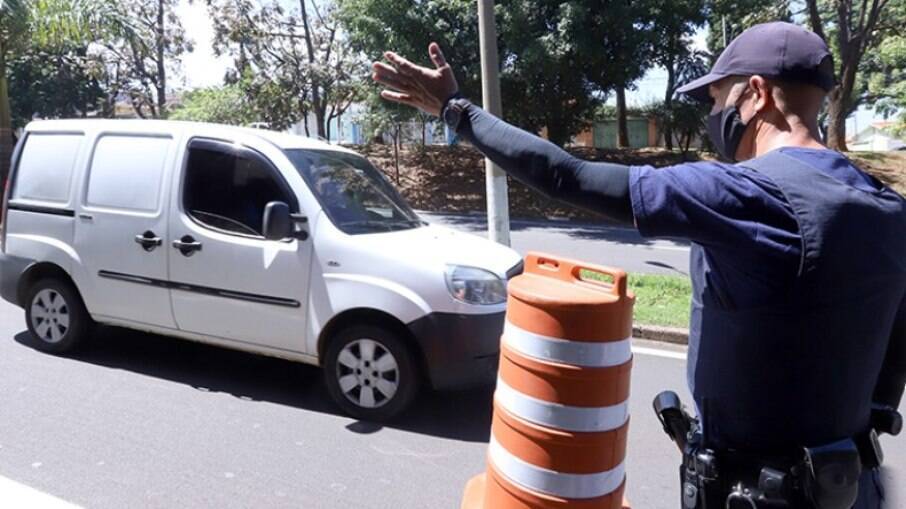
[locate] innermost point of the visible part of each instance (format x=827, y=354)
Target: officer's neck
x=769, y=135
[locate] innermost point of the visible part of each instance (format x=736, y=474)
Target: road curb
x=673, y=335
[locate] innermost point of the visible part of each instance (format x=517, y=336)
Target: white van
x=253, y=240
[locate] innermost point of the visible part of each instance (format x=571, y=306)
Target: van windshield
x=354, y=194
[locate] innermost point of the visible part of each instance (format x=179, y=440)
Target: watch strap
x=457, y=95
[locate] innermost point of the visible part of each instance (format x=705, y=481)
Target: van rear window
x=127, y=172
x=46, y=167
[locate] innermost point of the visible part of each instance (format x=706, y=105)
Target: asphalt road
x=596, y=243
x=144, y=421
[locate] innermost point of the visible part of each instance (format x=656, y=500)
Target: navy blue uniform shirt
x=744, y=221
x=735, y=212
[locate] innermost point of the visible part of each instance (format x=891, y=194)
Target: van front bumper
x=460, y=351
x=11, y=270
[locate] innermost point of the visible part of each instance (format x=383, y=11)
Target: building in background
x=877, y=137
x=644, y=132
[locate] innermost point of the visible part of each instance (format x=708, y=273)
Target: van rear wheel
x=56, y=316
x=370, y=373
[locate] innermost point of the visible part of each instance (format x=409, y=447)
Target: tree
x=140, y=58
x=852, y=29
x=26, y=25
x=378, y=25
x=226, y=104
x=541, y=85
x=687, y=118
x=613, y=38
x=301, y=54
x=673, y=25
x=888, y=81
x=729, y=18
x=49, y=84
x=387, y=117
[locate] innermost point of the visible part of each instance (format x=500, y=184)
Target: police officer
x=798, y=267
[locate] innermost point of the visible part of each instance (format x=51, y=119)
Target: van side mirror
x=278, y=223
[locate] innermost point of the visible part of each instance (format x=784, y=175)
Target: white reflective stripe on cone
x=554, y=483
x=555, y=415
x=579, y=353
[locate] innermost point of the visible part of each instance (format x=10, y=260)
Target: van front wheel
x=370, y=373
x=56, y=317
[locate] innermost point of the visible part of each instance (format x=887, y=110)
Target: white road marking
x=13, y=494
x=669, y=354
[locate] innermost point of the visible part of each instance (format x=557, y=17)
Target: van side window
x=127, y=172
x=46, y=167
x=228, y=190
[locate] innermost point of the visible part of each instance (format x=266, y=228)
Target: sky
x=202, y=69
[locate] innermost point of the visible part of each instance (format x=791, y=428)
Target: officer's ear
x=762, y=95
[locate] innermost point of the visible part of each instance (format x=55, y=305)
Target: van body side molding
x=216, y=292
x=37, y=209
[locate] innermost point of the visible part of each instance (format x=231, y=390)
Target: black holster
x=824, y=477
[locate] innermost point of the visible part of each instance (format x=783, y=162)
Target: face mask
x=726, y=129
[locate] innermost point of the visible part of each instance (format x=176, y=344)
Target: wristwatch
x=453, y=110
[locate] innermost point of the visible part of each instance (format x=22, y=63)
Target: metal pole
x=495, y=178
x=724, y=23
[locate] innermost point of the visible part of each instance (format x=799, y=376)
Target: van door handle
x=187, y=245
x=148, y=241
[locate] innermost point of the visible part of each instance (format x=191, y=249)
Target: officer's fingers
x=399, y=97
x=392, y=80
x=403, y=66
x=384, y=71
x=437, y=56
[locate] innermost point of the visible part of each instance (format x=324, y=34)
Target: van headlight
x=475, y=286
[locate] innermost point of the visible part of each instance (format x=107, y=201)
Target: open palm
x=420, y=87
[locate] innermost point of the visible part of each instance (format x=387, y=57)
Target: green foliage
x=54, y=24
x=140, y=58
x=738, y=15
x=886, y=82
x=53, y=84
x=672, y=25
x=226, y=104
x=295, y=62
x=687, y=118
x=540, y=85
x=543, y=80
x=408, y=26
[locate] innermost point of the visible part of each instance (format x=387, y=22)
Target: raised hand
x=414, y=85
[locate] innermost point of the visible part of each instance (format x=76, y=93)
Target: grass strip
x=659, y=300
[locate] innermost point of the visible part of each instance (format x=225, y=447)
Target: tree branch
x=815, y=18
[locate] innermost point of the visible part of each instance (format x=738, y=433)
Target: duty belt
x=823, y=477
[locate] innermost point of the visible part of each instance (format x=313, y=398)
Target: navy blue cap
x=778, y=50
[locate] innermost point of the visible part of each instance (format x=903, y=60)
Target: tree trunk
x=396, y=152
x=667, y=126
x=838, y=105
x=836, y=121
x=622, y=128
x=161, y=68
x=320, y=117
x=6, y=124
x=315, y=92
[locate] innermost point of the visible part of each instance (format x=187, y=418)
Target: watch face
x=451, y=115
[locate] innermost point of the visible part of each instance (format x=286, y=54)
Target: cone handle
x=570, y=271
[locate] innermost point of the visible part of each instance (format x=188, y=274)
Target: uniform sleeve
x=715, y=205
x=600, y=187
x=892, y=380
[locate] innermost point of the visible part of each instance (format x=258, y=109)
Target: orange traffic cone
x=561, y=415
